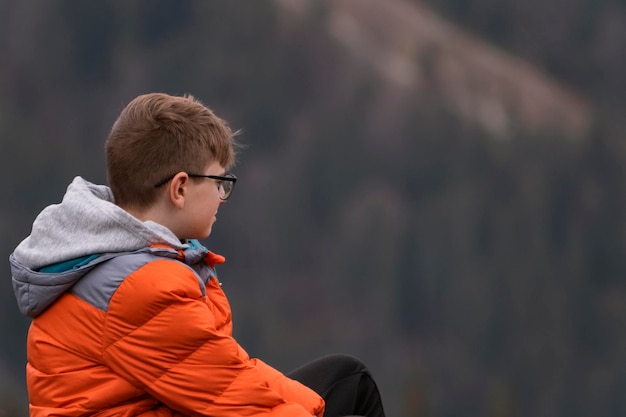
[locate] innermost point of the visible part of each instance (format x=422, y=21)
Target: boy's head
x=157, y=136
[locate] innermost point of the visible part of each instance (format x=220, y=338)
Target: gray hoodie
x=81, y=231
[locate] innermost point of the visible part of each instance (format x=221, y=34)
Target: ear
x=177, y=189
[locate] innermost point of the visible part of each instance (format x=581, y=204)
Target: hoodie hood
x=70, y=238
x=87, y=222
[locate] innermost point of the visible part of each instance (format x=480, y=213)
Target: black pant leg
x=345, y=383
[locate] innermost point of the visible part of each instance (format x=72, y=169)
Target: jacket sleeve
x=291, y=389
x=164, y=338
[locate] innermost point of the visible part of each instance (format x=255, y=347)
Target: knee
x=349, y=363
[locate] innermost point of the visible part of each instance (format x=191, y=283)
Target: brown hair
x=158, y=135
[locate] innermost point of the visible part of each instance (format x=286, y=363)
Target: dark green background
x=476, y=276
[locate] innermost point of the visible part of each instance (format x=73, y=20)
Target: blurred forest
x=436, y=186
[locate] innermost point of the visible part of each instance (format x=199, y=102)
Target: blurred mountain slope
x=415, y=51
x=580, y=42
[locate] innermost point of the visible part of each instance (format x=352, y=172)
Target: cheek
x=214, y=207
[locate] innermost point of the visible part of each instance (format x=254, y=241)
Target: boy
x=128, y=315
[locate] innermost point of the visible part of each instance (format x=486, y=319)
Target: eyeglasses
x=225, y=184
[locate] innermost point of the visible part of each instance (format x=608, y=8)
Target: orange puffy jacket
x=148, y=333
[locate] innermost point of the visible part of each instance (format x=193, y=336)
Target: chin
x=200, y=236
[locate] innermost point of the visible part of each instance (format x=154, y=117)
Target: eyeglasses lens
x=226, y=187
